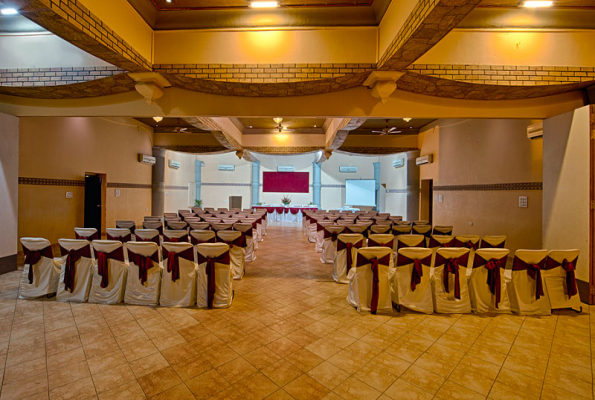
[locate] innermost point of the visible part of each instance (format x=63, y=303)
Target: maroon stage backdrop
x=285, y=182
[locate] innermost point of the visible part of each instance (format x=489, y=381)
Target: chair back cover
x=144, y=280
x=370, y=280
x=120, y=234
x=560, y=279
x=395, y=218
x=527, y=290
x=110, y=272
x=147, y=235
x=178, y=282
x=380, y=228
x=487, y=283
x=214, y=276
x=410, y=241
x=468, y=241
x=425, y=230
x=170, y=215
x=356, y=228
x=237, y=243
x=221, y=226
x=40, y=274
x=412, y=284
x=126, y=224
x=175, y=236
x=381, y=240
x=153, y=225
x=76, y=271
x=401, y=229
x=401, y=222
x=152, y=218
x=199, y=226
x=329, y=245
x=203, y=236
x=177, y=225
x=421, y=222
x=437, y=241
x=347, y=245
x=86, y=233
x=489, y=242
x=382, y=216
x=449, y=282
x=442, y=230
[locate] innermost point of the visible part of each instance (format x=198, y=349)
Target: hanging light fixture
x=158, y=119
x=277, y=120
x=407, y=119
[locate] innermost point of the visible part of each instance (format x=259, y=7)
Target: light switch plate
x=69, y=195
x=440, y=198
x=117, y=192
x=523, y=201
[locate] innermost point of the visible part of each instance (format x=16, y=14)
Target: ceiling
x=169, y=125
x=267, y=125
x=229, y=14
x=18, y=24
x=407, y=128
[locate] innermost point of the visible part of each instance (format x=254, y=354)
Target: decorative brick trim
x=519, y=75
x=173, y=187
x=54, y=76
x=227, y=184
x=74, y=23
x=331, y=186
x=490, y=187
x=50, y=182
x=194, y=149
x=129, y=185
x=264, y=73
x=374, y=150
x=395, y=191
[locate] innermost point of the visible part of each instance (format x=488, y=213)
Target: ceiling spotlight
x=250, y=127
x=407, y=119
x=168, y=1
x=264, y=4
x=158, y=119
x=314, y=126
x=9, y=11
x=538, y=4
x=277, y=120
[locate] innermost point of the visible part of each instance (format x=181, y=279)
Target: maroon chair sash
x=154, y=239
x=486, y=245
x=123, y=239
x=94, y=236
x=210, y=271
x=374, y=263
x=533, y=270
x=319, y=227
x=174, y=239
x=451, y=266
x=468, y=244
x=435, y=243
x=194, y=240
x=132, y=228
x=569, y=267
x=144, y=263
x=421, y=243
x=348, y=246
x=32, y=257
x=493, y=267
x=72, y=257
x=332, y=235
x=438, y=233
x=102, y=263
x=240, y=242
x=173, y=260
x=417, y=272
x=373, y=243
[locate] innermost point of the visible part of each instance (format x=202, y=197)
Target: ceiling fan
x=179, y=129
x=387, y=130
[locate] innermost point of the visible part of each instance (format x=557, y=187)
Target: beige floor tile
x=159, y=381
x=283, y=346
x=472, y=380
x=451, y=390
x=282, y=372
x=26, y=370
x=79, y=389
x=17, y=390
x=236, y=370
x=328, y=375
x=262, y=357
x=256, y=387
x=403, y=390
x=208, y=384
x=112, y=377
x=423, y=378
x=500, y=391
x=304, y=359
x=306, y=388
x=127, y=391
x=107, y=361
x=146, y=365
x=280, y=395
x=192, y=368
x=219, y=355
x=68, y=374
x=354, y=389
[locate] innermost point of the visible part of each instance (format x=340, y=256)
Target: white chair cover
x=170, y=215
x=205, y=236
x=120, y=234
x=412, y=285
x=401, y=230
x=178, y=282
x=425, y=230
x=147, y=235
x=86, y=233
x=347, y=245
x=41, y=278
x=152, y=218
x=560, y=280
x=361, y=280
x=488, y=276
x=523, y=289
x=320, y=227
x=489, y=242
x=175, y=236
x=246, y=229
x=177, y=225
x=82, y=269
x=438, y=241
x=145, y=292
x=311, y=230
x=404, y=241
x=235, y=240
x=381, y=239
x=107, y=287
x=255, y=231
x=329, y=244
x=154, y=225
x=421, y=222
x=442, y=230
x=222, y=275
x=199, y=226
x=128, y=225
x=447, y=299
x=380, y=228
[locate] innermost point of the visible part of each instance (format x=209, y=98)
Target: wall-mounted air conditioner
x=285, y=168
x=535, y=131
x=398, y=163
x=226, y=167
x=427, y=159
x=348, y=169
x=145, y=159
x=174, y=164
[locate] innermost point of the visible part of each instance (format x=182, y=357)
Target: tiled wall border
x=393, y=191
x=76, y=182
x=54, y=76
x=490, y=187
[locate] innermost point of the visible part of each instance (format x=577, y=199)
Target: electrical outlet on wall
x=523, y=201
x=117, y=192
x=69, y=195
x=440, y=198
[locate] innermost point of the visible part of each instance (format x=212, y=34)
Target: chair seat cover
x=329, y=244
x=444, y=283
x=45, y=272
x=222, y=276
x=178, y=282
x=522, y=288
x=145, y=292
x=347, y=245
x=487, y=283
x=362, y=286
x=82, y=268
x=236, y=241
x=412, y=287
x=560, y=280
x=114, y=276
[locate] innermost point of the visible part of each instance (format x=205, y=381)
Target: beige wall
x=395, y=181
x=479, y=152
x=9, y=172
x=334, y=197
x=67, y=148
x=566, y=185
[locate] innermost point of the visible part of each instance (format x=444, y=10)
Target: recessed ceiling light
x=250, y=127
x=315, y=126
x=264, y=4
x=158, y=119
x=9, y=11
x=168, y=1
x=538, y=4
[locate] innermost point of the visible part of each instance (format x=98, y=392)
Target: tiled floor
x=289, y=334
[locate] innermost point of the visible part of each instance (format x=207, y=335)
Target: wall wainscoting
x=490, y=187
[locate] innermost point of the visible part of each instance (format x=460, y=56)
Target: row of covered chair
x=140, y=273
x=537, y=282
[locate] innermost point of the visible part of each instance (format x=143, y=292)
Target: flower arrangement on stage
x=286, y=200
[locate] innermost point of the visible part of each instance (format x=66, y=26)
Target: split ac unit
x=145, y=159
x=427, y=159
x=535, y=131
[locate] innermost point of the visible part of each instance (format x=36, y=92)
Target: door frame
x=103, y=199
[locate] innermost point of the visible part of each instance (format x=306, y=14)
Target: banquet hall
x=297, y=199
